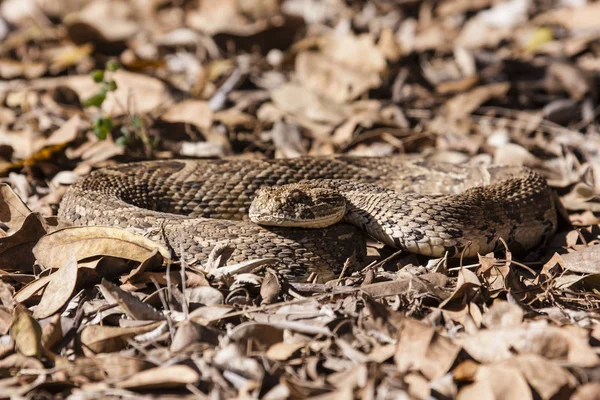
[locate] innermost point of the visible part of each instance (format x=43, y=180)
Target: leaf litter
x=99, y=312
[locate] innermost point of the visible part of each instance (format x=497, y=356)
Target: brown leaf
x=465, y=286
x=585, y=261
x=26, y=332
x=52, y=332
x=12, y=209
x=108, y=339
x=33, y=288
x=193, y=112
x=16, y=249
x=263, y=334
x=270, y=287
x=52, y=250
x=102, y=366
x=489, y=346
x=160, y=378
x=59, y=290
x=189, y=333
x=545, y=377
x=134, y=308
x=283, y=351
x=420, y=348
x=497, y=382
x=205, y=295
x=464, y=104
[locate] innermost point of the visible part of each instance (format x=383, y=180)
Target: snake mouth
x=287, y=221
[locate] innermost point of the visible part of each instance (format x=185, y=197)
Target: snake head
x=299, y=205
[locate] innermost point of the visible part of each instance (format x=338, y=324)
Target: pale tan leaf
x=546, y=378
x=270, y=287
x=52, y=332
x=133, y=307
x=52, y=250
x=66, y=133
x=189, y=333
x=32, y=289
x=26, y=332
x=102, y=366
x=12, y=209
x=205, y=295
x=497, y=383
x=467, y=283
x=463, y=104
x=16, y=249
x=420, y=348
x=193, y=112
x=59, y=290
x=107, y=339
x=583, y=261
x=283, y=351
x=161, y=378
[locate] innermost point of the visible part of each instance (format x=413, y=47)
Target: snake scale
x=413, y=204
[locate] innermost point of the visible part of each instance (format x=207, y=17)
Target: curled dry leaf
x=32, y=289
x=583, y=261
x=107, y=339
x=102, y=366
x=421, y=348
x=547, y=378
x=283, y=351
x=464, y=104
x=467, y=284
x=52, y=332
x=270, y=287
x=497, y=382
x=16, y=249
x=26, y=332
x=160, y=378
x=205, y=295
x=12, y=209
x=495, y=345
x=52, y=250
x=189, y=332
x=193, y=112
x=59, y=290
x=134, y=308
x=263, y=334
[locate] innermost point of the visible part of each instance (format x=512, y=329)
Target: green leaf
x=102, y=127
x=96, y=100
x=112, y=66
x=97, y=75
x=136, y=121
x=112, y=86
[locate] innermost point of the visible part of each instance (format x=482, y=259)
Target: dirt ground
x=93, y=313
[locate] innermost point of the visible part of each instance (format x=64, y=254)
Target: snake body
x=421, y=206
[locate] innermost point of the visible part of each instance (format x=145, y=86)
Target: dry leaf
x=134, y=308
x=192, y=112
x=16, y=249
x=12, y=209
x=59, y=290
x=585, y=261
x=160, y=378
x=26, y=332
x=107, y=339
x=420, y=348
x=53, y=249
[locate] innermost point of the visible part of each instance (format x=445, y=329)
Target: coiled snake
x=406, y=202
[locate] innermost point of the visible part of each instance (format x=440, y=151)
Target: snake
x=412, y=203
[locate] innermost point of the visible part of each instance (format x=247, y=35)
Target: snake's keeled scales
x=191, y=205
